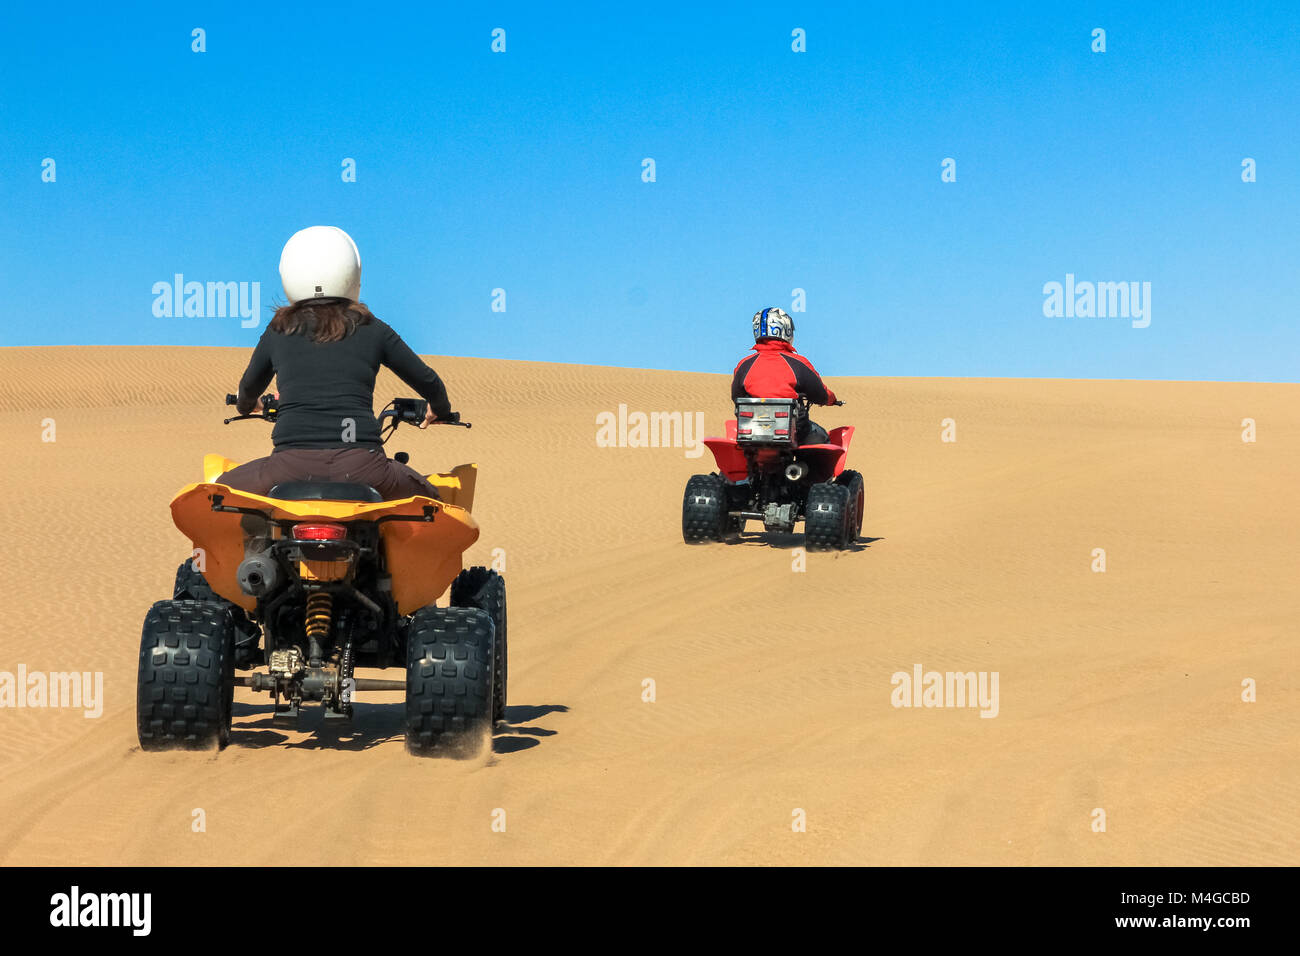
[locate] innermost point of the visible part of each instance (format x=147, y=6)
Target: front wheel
x=857, y=505
x=485, y=589
x=448, y=681
x=186, y=685
x=192, y=585
x=704, y=509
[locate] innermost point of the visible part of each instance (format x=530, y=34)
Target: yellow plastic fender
x=423, y=557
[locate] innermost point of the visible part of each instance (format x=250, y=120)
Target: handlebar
x=807, y=402
x=412, y=411
x=409, y=410
x=270, y=407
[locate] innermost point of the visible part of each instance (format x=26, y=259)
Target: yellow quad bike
x=305, y=584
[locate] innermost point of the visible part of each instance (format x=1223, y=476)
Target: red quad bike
x=765, y=475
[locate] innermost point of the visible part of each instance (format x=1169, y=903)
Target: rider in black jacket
x=325, y=349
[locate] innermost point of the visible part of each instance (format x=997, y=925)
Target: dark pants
x=810, y=433
x=365, y=465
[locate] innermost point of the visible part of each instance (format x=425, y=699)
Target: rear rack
x=767, y=421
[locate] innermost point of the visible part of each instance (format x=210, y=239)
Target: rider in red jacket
x=776, y=370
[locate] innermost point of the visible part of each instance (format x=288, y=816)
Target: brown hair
x=326, y=320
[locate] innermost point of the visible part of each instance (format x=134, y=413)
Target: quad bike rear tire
x=448, y=681
x=485, y=589
x=704, y=509
x=857, y=504
x=826, y=517
x=186, y=685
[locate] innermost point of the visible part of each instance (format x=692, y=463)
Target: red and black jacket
x=776, y=370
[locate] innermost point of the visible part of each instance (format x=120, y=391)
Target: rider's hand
x=429, y=419
x=257, y=408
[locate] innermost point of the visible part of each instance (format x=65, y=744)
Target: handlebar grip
x=231, y=399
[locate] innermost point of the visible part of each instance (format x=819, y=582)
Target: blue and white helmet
x=773, y=324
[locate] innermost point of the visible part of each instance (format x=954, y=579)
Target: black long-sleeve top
x=324, y=384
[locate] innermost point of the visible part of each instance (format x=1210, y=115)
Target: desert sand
x=1118, y=691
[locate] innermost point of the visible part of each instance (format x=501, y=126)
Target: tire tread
x=704, y=509
x=448, y=680
x=824, y=517
x=185, y=683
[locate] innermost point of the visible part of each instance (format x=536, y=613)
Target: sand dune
x=1118, y=690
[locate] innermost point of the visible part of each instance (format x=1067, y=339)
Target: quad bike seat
x=324, y=491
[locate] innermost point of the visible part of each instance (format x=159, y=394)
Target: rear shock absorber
x=320, y=613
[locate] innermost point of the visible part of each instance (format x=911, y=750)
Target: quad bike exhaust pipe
x=796, y=471
x=258, y=575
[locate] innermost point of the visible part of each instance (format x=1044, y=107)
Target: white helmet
x=321, y=262
x=773, y=324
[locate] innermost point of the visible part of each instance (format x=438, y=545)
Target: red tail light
x=743, y=431
x=782, y=414
x=781, y=431
x=745, y=414
x=320, y=532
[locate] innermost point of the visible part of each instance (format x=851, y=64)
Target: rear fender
x=423, y=557
x=731, y=460
x=457, y=486
x=842, y=436
x=214, y=466
x=825, y=461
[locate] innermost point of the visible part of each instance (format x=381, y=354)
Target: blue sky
x=775, y=170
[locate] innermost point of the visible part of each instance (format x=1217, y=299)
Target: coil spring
x=320, y=610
